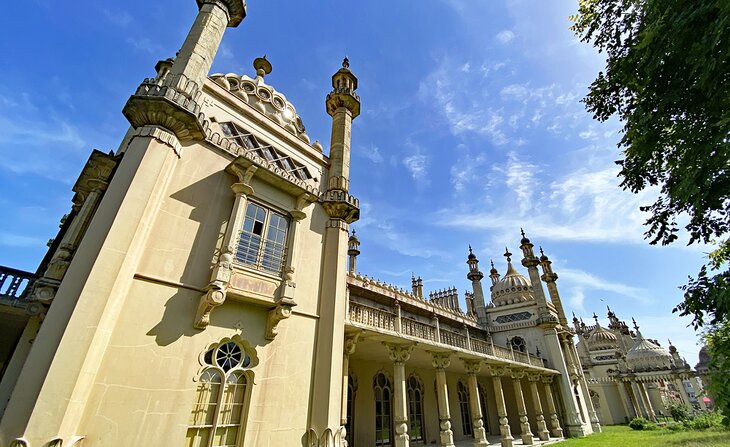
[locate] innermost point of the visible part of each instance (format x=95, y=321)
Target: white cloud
x=589, y=281
x=520, y=177
x=516, y=91
x=119, y=18
x=588, y=134
x=417, y=165
x=505, y=36
x=371, y=152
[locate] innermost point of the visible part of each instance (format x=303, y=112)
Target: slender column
x=560, y=361
x=349, y=349
x=399, y=355
x=504, y=430
x=699, y=391
x=441, y=361
x=525, y=432
x=472, y=368
x=595, y=423
x=639, y=398
x=645, y=396
x=542, y=430
x=628, y=404
x=682, y=391
x=555, y=428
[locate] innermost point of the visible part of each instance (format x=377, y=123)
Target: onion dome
x=704, y=364
x=647, y=356
x=601, y=338
x=512, y=288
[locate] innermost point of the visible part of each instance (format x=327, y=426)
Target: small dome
x=512, y=288
x=647, y=356
x=601, y=338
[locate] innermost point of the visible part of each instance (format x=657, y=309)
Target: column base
x=507, y=442
x=446, y=435
x=596, y=427
x=575, y=431
x=527, y=439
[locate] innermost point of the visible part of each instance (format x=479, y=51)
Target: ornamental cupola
x=601, y=338
x=646, y=355
x=513, y=288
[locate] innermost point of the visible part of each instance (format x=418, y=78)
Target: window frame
x=417, y=388
x=463, y=396
x=389, y=387
x=259, y=264
x=242, y=370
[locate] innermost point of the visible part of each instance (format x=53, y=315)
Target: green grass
x=623, y=436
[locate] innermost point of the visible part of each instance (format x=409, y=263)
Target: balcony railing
x=15, y=286
x=385, y=320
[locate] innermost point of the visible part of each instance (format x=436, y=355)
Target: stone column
x=504, y=430
x=645, y=397
x=562, y=362
x=441, y=361
x=472, y=369
x=555, y=428
x=399, y=355
x=628, y=404
x=349, y=349
x=639, y=398
x=542, y=430
x=525, y=432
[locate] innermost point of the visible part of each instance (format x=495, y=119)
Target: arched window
x=483, y=404
x=221, y=397
x=351, y=390
x=518, y=344
x=464, y=407
x=415, y=409
x=383, y=393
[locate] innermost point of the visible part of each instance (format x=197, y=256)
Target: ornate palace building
x=203, y=291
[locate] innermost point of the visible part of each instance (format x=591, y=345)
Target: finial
x=262, y=66
x=507, y=254
x=595, y=317
x=491, y=262
x=346, y=63
x=542, y=252
x=670, y=342
x=470, y=250
x=522, y=232
x=636, y=326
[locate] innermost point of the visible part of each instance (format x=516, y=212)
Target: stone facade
x=204, y=291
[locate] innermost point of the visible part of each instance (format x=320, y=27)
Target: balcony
x=15, y=286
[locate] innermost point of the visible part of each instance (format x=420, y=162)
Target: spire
x=353, y=250
x=262, y=66
x=595, y=318
x=473, y=263
x=493, y=273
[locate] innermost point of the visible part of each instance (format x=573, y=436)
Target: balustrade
x=386, y=320
x=15, y=285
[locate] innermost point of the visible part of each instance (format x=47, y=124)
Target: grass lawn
x=623, y=436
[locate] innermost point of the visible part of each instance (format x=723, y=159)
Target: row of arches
x=383, y=404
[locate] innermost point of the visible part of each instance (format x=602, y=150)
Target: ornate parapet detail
x=399, y=353
x=171, y=103
x=339, y=204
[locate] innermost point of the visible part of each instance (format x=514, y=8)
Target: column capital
x=351, y=342
x=399, y=353
x=498, y=370
x=534, y=377
x=440, y=360
x=472, y=366
x=546, y=379
x=518, y=374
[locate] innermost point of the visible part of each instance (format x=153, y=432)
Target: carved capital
x=399, y=353
x=546, y=379
x=351, y=343
x=440, y=360
x=518, y=374
x=472, y=366
x=275, y=316
x=214, y=297
x=498, y=371
x=532, y=377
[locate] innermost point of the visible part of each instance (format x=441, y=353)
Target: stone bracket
x=281, y=312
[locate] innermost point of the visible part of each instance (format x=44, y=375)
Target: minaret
x=475, y=276
x=343, y=209
x=353, y=251
x=171, y=100
x=550, y=277
x=531, y=262
x=493, y=273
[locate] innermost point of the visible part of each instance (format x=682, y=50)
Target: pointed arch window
x=464, y=407
x=415, y=409
x=221, y=397
x=383, y=406
x=483, y=404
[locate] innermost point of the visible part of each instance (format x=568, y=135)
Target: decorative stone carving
x=399, y=353
x=440, y=360
x=280, y=312
x=472, y=366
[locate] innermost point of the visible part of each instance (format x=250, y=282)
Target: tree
x=667, y=78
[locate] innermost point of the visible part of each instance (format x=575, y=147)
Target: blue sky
x=471, y=128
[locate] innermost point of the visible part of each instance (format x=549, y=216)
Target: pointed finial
x=346, y=63
x=595, y=317
x=507, y=254
x=262, y=66
x=636, y=326
x=470, y=250
x=491, y=262
x=522, y=232
x=670, y=341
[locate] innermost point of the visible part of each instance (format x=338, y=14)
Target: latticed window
x=245, y=139
x=518, y=344
x=415, y=409
x=483, y=404
x=464, y=407
x=383, y=426
x=220, y=398
x=262, y=242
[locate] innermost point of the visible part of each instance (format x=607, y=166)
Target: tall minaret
x=171, y=100
x=343, y=209
x=550, y=277
x=353, y=251
x=531, y=262
x=475, y=276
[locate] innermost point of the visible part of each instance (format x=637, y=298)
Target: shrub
x=675, y=426
x=640, y=423
x=679, y=412
x=704, y=421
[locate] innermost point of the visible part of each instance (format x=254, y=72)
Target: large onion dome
x=647, y=356
x=601, y=338
x=512, y=288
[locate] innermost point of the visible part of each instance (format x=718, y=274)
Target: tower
x=475, y=276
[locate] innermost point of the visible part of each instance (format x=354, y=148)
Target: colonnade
x=546, y=418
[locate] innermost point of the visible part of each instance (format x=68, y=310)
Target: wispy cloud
x=18, y=240
x=371, y=152
x=118, y=18
x=592, y=282
x=505, y=36
x=417, y=165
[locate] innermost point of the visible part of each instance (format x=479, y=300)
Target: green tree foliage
x=667, y=78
